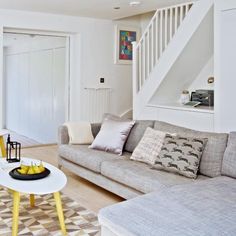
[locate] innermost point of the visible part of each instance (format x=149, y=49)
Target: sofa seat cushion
x=213, y=153
x=86, y=157
x=204, y=208
x=139, y=176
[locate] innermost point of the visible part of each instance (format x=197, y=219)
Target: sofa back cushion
x=229, y=159
x=137, y=133
x=95, y=128
x=211, y=161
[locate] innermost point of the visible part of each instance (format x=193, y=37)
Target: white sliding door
x=35, y=89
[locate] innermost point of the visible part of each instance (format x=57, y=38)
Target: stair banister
x=154, y=41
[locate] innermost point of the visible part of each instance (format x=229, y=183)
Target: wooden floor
x=87, y=194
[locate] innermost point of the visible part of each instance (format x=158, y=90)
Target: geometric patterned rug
x=42, y=220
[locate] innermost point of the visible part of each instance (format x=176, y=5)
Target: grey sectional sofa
x=166, y=204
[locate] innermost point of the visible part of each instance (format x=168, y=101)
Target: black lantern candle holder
x=13, y=150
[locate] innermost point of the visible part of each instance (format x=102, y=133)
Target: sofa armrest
x=63, y=137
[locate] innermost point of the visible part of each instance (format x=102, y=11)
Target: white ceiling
x=88, y=8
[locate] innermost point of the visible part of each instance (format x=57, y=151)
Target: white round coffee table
x=51, y=184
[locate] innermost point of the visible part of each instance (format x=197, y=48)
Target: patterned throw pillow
x=180, y=155
x=149, y=146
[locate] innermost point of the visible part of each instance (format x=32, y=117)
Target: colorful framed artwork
x=124, y=38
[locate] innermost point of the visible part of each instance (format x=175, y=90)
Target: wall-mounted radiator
x=96, y=102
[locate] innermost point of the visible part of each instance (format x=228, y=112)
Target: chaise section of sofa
x=203, y=208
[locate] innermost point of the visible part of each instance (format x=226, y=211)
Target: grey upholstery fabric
x=110, y=185
x=229, y=160
x=106, y=232
x=212, y=157
x=206, y=208
x=82, y=155
x=139, y=175
x=95, y=128
x=136, y=134
x=63, y=137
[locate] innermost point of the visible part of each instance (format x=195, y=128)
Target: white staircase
x=171, y=36
x=156, y=39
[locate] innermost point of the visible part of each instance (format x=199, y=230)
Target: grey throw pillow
x=181, y=155
x=112, y=135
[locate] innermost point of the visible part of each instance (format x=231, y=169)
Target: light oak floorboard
x=85, y=193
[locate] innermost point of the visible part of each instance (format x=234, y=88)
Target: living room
x=146, y=142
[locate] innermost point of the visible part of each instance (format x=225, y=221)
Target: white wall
x=201, y=80
x=145, y=19
x=225, y=67
x=92, y=43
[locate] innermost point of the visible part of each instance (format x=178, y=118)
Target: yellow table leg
x=57, y=198
x=2, y=146
x=32, y=201
x=16, y=203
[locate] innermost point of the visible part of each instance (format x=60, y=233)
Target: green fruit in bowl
x=41, y=167
x=32, y=169
x=22, y=171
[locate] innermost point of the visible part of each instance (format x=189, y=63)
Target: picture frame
x=124, y=36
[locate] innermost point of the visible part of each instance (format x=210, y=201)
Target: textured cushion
x=140, y=177
x=229, y=160
x=149, y=146
x=180, y=155
x=212, y=157
x=83, y=156
x=206, y=208
x=95, y=128
x=112, y=135
x=63, y=137
x=136, y=134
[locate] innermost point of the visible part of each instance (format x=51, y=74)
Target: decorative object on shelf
x=192, y=104
x=211, y=80
x=185, y=97
x=124, y=38
x=205, y=97
x=13, y=150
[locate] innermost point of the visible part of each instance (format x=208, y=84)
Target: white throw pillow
x=79, y=132
x=149, y=146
